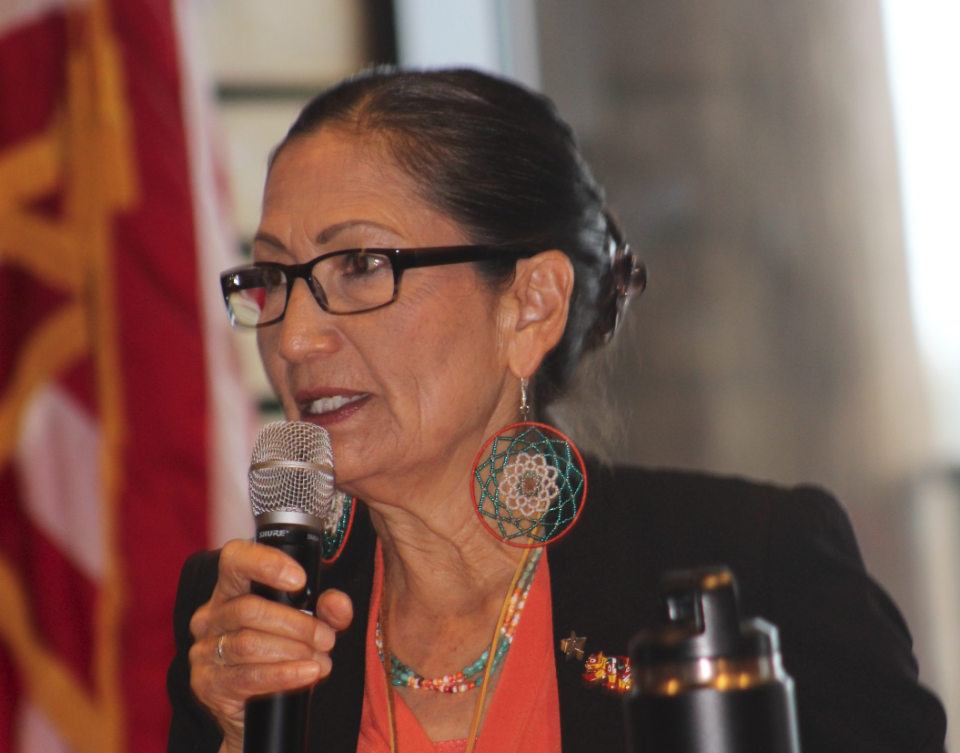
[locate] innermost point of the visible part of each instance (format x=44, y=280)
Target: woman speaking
x=432, y=263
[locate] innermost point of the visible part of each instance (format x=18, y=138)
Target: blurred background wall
x=750, y=149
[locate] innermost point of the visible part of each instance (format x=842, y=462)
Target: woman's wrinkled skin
x=435, y=373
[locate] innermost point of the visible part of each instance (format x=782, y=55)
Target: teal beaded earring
x=336, y=527
x=529, y=482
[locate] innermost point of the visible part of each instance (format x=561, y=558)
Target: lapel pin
x=610, y=673
x=572, y=647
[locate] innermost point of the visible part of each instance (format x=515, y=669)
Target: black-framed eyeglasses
x=351, y=281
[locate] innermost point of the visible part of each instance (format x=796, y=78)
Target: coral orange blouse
x=524, y=714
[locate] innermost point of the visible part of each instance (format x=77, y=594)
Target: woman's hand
x=246, y=646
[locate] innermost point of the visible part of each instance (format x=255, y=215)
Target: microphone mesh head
x=292, y=469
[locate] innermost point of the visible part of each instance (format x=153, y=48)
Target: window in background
x=499, y=36
x=268, y=59
x=923, y=57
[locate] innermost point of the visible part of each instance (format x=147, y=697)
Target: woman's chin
x=354, y=465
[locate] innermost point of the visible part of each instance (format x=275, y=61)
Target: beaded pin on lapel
x=610, y=673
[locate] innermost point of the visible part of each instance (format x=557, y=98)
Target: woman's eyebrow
x=269, y=240
x=333, y=231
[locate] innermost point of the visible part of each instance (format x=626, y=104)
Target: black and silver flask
x=707, y=682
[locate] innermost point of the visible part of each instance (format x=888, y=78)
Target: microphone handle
x=279, y=723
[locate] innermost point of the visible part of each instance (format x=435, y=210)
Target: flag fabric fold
x=116, y=384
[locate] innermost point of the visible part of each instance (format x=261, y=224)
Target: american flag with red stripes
x=124, y=427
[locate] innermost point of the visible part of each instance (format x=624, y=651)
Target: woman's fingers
x=245, y=645
x=335, y=608
x=243, y=561
x=253, y=612
x=254, y=647
x=224, y=690
x=258, y=679
x=252, y=664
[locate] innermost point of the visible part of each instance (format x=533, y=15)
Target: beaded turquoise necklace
x=471, y=676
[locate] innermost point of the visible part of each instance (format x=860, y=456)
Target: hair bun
x=626, y=278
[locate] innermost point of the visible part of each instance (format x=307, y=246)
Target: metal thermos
x=707, y=682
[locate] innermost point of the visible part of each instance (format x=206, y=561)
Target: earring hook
x=524, y=405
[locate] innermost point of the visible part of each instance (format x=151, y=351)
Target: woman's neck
x=445, y=579
x=444, y=563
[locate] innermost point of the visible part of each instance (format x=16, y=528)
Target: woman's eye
x=362, y=263
x=272, y=277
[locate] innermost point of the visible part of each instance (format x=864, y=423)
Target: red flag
x=116, y=391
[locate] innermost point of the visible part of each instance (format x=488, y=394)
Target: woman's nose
x=306, y=329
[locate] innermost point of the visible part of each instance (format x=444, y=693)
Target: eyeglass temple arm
x=429, y=257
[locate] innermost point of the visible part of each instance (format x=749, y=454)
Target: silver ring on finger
x=223, y=662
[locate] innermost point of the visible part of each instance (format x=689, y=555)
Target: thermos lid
x=703, y=622
x=707, y=682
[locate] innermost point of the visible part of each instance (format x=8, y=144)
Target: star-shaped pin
x=572, y=647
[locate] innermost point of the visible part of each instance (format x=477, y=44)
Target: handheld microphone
x=291, y=489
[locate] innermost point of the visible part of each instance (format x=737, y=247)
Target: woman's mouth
x=334, y=408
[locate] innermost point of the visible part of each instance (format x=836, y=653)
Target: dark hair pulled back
x=498, y=160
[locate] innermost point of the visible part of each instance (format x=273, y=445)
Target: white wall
x=499, y=36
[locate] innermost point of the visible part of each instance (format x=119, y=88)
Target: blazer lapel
x=337, y=704
x=604, y=590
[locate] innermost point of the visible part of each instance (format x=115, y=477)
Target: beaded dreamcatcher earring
x=529, y=482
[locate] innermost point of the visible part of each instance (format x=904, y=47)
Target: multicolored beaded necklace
x=472, y=676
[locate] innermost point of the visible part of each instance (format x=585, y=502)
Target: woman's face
x=414, y=388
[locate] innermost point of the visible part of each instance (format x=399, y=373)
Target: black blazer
x=797, y=564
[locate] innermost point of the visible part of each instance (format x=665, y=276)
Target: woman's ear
x=540, y=299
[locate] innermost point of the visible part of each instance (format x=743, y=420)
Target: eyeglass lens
x=342, y=284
